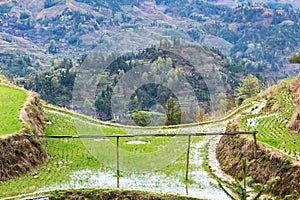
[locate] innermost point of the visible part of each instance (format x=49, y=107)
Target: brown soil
x=33, y=115
x=269, y=164
x=115, y=194
x=18, y=152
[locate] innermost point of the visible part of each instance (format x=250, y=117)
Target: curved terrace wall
x=18, y=153
x=268, y=164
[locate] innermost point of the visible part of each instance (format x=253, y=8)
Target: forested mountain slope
x=259, y=36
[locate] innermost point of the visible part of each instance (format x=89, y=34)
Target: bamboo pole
x=188, y=159
x=254, y=144
x=118, y=164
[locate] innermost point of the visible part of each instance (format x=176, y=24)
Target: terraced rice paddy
x=272, y=127
x=92, y=162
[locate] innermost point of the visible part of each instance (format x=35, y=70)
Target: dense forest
x=164, y=72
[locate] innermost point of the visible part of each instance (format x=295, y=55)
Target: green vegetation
x=11, y=101
x=65, y=156
x=52, y=47
x=95, y=194
x=173, y=113
x=272, y=124
x=294, y=58
x=146, y=118
x=205, y=163
x=253, y=52
x=54, y=85
x=249, y=88
x=141, y=118
x=288, y=80
x=70, y=155
x=72, y=25
x=272, y=130
x=240, y=187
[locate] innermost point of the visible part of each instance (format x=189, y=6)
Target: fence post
x=254, y=144
x=188, y=158
x=118, y=164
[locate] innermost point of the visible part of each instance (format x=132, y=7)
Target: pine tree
x=173, y=112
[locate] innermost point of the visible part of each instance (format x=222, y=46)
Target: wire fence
x=73, y=164
x=117, y=137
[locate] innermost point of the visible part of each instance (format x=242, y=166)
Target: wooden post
x=187, y=189
x=254, y=144
x=118, y=165
x=188, y=159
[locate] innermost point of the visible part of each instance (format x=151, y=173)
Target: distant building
x=102, y=116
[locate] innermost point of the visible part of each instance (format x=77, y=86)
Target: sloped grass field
x=272, y=124
x=70, y=155
x=11, y=102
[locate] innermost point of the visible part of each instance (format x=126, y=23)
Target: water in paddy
x=201, y=184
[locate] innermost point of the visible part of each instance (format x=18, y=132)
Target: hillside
x=275, y=116
x=278, y=3
x=251, y=34
x=294, y=87
x=94, y=158
x=20, y=56
x=145, y=78
x=275, y=121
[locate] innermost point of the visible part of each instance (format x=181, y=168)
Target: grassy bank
x=11, y=102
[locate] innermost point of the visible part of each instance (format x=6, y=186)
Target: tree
x=52, y=47
x=173, y=112
x=141, y=118
x=249, y=88
x=144, y=77
x=294, y=58
x=169, y=62
x=160, y=60
x=226, y=104
x=201, y=115
x=170, y=83
x=87, y=104
x=157, y=79
x=230, y=103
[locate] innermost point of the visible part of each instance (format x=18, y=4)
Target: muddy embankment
x=95, y=194
x=18, y=152
x=268, y=164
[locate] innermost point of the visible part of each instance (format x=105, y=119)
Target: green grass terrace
x=11, y=102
